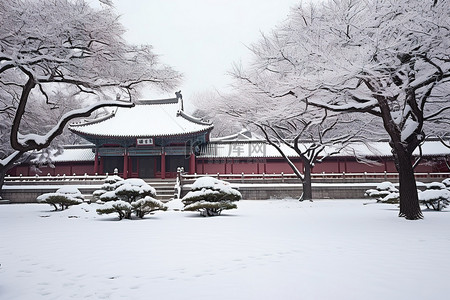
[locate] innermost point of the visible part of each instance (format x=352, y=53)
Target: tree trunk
x=13, y=158
x=409, y=200
x=2, y=181
x=306, y=183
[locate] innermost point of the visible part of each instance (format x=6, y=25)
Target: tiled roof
x=256, y=149
x=72, y=155
x=148, y=118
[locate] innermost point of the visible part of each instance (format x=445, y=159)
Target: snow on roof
x=250, y=149
x=261, y=149
x=75, y=154
x=148, y=118
x=243, y=135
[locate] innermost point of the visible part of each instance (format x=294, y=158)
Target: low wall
x=281, y=191
x=28, y=194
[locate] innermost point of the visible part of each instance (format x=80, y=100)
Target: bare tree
x=206, y=107
x=389, y=60
x=312, y=133
x=60, y=50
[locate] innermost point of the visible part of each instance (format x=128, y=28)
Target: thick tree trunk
x=409, y=200
x=307, y=189
x=2, y=181
x=402, y=150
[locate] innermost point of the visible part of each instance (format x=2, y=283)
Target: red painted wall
x=258, y=166
x=78, y=168
x=277, y=166
x=244, y=167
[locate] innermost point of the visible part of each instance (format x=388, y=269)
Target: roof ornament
x=180, y=100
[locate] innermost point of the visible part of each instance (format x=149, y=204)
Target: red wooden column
x=125, y=164
x=163, y=164
x=101, y=165
x=96, y=161
x=192, y=164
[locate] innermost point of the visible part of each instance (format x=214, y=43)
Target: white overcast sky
x=200, y=38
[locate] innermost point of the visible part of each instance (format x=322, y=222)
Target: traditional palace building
x=152, y=139
x=156, y=137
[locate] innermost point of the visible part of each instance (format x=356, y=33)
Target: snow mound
x=70, y=190
x=136, y=185
x=446, y=182
x=386, y=186
x=204, y=183
x=436, y=186
x=429, y=195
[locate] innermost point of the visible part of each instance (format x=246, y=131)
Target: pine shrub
x=210, y=197
x=128, y=196
x=63, y=198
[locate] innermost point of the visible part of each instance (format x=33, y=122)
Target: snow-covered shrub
x=128, y=196
x=112, y=179
x=384, y=192
x=122, y=208
x=107, y=196
x=446, y=181
x=108, y=185
x=97, y=194
x=63, y=197
x=436, y=186
x=133, y=189
x=147, y=205
x=436, y=196
x=391, y=198
x=386, y=186
x=436, y=199
x=210, y=196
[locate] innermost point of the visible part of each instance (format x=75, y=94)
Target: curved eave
x=171, y=121
x=95, y=121
x=193, y=119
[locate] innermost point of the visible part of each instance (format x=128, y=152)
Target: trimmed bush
x=435, y=199
x=133, y=189
x=384, y=192
x=436, y=186
x=108, y=185
x=446, y=182
x=127, y=196
x=108, y=196
x=210, y=197
x=436, y=196
x=63, y=198
x=122, y=208
x=146, y=206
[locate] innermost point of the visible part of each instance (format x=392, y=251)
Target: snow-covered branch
x=29, y=142
x=59, y=55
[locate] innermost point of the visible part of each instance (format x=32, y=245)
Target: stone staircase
x=165, y=188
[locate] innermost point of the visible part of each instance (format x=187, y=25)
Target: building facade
x=156, y=137
x=151, y=139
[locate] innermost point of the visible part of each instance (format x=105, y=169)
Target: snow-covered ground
x=273, y=249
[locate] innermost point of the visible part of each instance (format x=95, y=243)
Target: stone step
x=165, y=189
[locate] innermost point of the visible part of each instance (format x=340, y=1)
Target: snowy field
x=263, y=250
